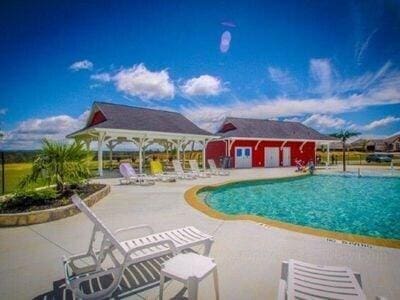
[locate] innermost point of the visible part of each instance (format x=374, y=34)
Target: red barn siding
x=216, y=149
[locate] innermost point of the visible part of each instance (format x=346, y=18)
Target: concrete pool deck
x=248, y=254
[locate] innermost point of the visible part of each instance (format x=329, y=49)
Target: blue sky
x=328, y=64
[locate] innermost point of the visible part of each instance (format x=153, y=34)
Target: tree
x=344, y=135
x=59, y=164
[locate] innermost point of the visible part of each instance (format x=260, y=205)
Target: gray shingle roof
x=144, y=119
x=258, y=128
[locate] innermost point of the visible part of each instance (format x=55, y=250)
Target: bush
x=27, y=198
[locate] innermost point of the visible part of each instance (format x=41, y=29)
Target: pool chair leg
x=207, y=247
x=162, y=279
x=193, y=286
x=216, y=287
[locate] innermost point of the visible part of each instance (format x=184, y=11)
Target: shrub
x=59, y=164
x=24, y=199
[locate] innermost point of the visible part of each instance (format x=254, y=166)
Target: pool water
x=368, y=205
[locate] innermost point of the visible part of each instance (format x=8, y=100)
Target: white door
x=286, y=157
x=271, y=157
x=242, y=157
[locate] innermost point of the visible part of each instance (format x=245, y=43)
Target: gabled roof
x=258, y=128
x=117, y=116
x=392, y=138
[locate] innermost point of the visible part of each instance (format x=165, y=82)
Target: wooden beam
x=283, y=145
x=302, y=145
x=258, y=143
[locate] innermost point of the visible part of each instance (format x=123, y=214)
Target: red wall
x=98, y=117
x=216, y=149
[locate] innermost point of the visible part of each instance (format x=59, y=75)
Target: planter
x=52, y=214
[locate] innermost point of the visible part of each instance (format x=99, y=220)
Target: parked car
x=379, y=158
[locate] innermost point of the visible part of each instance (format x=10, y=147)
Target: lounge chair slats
x=180, y=172
x=215, y=170
x=194, y=167
x=308, y=281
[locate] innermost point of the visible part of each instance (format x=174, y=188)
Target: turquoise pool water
x=368, y=205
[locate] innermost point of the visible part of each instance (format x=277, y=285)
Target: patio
x=248, y=254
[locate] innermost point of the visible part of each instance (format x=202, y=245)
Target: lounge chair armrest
x=131, y=228
x=168, y=243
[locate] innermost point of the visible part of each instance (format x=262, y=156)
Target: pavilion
x=111, y=124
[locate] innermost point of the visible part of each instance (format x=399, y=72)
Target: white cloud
x=361, y=49
x=282, y=78
x=293, y=119
x=372, y=89
x=81, y=65
x=103, y=77
x=324, y=122
x=321, y=72
x=377, y=123
x=147, y=85
x=204, y=85
x=28, y=134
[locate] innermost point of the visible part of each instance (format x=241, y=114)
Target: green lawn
x=14, y=173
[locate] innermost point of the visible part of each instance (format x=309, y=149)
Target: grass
x=13, y=175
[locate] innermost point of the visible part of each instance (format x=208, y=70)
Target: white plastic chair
x=180, y=172
x=215, y=170
x=194, y=167
x=122, y=254
x=300, y=280
x=130, y=176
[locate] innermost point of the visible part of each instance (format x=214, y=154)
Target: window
x=247, y=152
x=238, y=152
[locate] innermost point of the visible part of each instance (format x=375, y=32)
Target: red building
x=264, y=143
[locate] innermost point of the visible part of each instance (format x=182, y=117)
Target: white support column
x=184, y=145
x=110, y=145
x=328, y=159
x=140, y=145
x=178, y=149
x=87, y=143
x=204, y=154
x=100, y=153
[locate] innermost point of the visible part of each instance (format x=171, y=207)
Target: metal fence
x=3, y=170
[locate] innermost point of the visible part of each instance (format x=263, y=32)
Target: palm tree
x=59, y=164
x=344, y=135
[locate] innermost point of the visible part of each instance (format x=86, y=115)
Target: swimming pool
x=368, y=205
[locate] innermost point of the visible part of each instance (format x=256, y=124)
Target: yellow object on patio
x=156, y=167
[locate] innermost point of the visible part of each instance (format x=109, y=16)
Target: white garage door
x=271, y=157
x=243, y=157
x=286, y=157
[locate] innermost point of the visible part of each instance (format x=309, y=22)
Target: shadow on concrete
x=137, y=278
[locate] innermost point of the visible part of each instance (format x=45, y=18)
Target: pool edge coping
x=191, y=198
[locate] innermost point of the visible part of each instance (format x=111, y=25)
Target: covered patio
x=110, y=125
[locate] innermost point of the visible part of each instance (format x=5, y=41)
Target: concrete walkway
x=248, y=254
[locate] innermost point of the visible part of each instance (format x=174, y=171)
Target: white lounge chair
x=215, y=170
x=194, y=167
x=301, y=280
x=82, y=277
x=130, y=176
x=180, y=172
